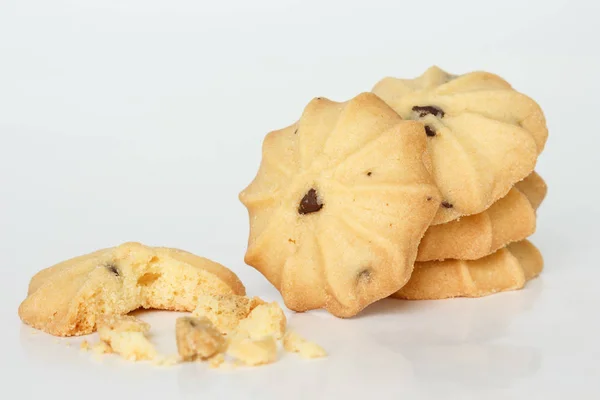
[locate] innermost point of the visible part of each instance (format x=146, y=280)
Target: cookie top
x=482, y=135
x=339, y=204
x=68, y=299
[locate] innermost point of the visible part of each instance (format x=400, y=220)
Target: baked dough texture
x=507, y=269
x=339, y=205
x=510, y=219
x=482, y=135
x=68, y=298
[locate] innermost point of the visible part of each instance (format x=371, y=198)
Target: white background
x=142, y=120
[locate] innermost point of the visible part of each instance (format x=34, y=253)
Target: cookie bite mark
x=422, y=111
x=445, y=204
x=429, y=131
x=112, y=268
x=310, y=203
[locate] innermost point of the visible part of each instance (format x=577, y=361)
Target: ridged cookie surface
x=510, y=219
x=68, y=298
x=339, y=205
x=482, y=135
x=507, y=269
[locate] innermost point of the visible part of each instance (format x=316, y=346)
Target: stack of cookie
x=484, y=140
x=423, y=189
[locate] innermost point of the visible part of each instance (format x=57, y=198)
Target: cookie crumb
x=197, y=338
x=85, y=345
x=125, y=335
x=253, y=352
x=101, y=348
x=217, y=360
x=265, y=320
x=166, y=361
x=295, y=343
x=225, y=311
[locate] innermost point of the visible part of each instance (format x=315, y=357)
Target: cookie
x=507, y=269
x=339, y=205
x=294, y=343
x=197, y=338
x=482, y=135
x=68, y=298
x=126, y=336
x=510, y=219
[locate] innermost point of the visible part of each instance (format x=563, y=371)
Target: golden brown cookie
x=510, y=219
x=339, y=205
x=507, y=269
x=68, y=298
x=482, y=135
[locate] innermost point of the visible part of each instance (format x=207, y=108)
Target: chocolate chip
x=429, y=131
x=429, y=198
x=296, y=131
x=445, y=204
x=192, y=322
x=309, y=203
x=369, y=173
x=424, y=110
x=113, y=268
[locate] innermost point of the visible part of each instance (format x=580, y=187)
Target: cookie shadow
x=390, y=306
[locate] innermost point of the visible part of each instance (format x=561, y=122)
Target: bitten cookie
x=482, y=135
x=339, y=205
x=507, y=269
x=68, y=298
x=510, y=219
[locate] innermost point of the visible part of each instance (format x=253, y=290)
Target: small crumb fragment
x=295, y=343
x=216, y=360
x=197, y=338
x=225, y=311
x=101, y=348
x=253, y=352
x=125, y=335
x=85, y=345
x=265, y=320
x=166, y=361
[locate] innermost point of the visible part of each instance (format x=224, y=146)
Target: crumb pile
x=224, y=330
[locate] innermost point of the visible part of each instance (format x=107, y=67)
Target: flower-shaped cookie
x=483, y=136
x=507, y=269
x=339, y=205
x=510, y=219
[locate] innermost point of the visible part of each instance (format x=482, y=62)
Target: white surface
x=142, y=120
